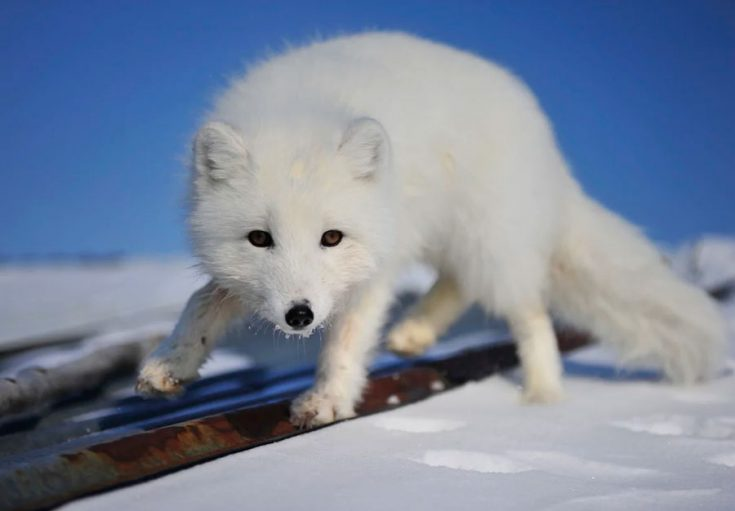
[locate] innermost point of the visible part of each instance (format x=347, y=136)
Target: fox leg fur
x=177, y=359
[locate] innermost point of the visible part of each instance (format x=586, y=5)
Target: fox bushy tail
x=608, y=280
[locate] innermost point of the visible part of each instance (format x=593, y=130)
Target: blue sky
x=99, y=99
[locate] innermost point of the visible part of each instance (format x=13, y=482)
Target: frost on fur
x=415, y=151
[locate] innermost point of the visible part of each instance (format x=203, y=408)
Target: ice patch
x=473, y=462
x=417, y=425
x=716, y=428
x=726, y=459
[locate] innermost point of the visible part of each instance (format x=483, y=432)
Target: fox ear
x=366, y=144
x=219, y=152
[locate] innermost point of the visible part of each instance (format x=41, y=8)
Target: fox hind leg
x=537, y=348
x=428, y=319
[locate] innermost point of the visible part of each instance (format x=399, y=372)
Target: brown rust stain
x=409, y=385
x=263, y=422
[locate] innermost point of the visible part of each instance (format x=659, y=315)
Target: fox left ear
x=366, y=144
x=220, y=152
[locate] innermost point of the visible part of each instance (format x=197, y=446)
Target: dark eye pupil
x=331, y=238
x=260, y=238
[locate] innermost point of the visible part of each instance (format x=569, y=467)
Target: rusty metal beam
x=57, y=477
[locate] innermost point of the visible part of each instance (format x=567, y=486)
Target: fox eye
x=331, y=238
x=261, y=239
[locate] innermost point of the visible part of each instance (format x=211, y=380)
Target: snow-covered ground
x=40, y=304
x=618, y=441
x=634, y=445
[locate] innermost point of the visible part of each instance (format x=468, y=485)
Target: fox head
x=292, y=225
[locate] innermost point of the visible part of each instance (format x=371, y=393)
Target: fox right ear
x=219, y=152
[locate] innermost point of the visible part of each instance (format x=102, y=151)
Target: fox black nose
x=299, y=316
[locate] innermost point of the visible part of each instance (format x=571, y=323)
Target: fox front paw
x=316, y=408
x=159, y=378
x=411, y=337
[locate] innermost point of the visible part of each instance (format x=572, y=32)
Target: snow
x=727, y=459
x=47, y=304
x=709, y=262
x=39, y=304
x=610, y=442
x=620, y=439
x=224, y=361
x=473, y=461
x=682, y=425
x=417, y=424
x=54, y=356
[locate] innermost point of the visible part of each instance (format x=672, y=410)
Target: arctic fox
x=320, y=175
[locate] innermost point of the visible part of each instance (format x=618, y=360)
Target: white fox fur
x=414, y=151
